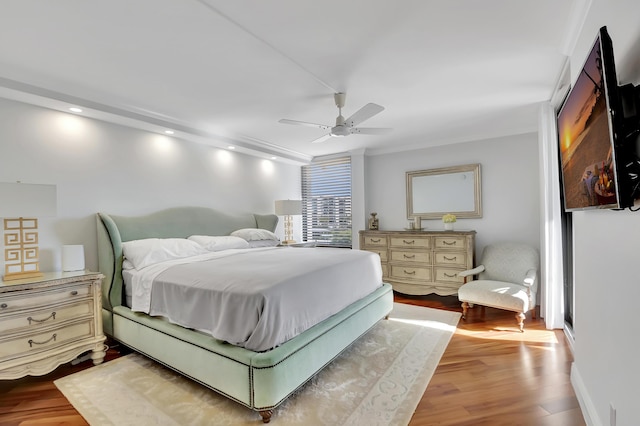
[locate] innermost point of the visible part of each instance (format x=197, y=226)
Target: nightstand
x=49, y=321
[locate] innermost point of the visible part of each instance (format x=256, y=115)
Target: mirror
x=436, y=192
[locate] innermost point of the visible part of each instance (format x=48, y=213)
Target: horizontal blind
x=326, y=202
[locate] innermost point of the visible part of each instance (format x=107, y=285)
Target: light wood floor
x=490, y=374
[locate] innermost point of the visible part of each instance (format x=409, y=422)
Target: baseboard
x=586, y=405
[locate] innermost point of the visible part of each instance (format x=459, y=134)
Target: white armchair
x=507, y=279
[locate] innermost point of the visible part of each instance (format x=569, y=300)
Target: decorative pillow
x=149, y=251
x=263, y=243
x=219, y=243
x=255, y=234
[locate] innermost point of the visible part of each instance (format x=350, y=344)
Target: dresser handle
x=53, y=315
x=449, y=276
x=33, y=342
x=409, y=273
x=375, y=241
x=452, y=243
x=409, y=242
x=74, y=293
x=413, y=256
x=450, y=258
x=4, y=306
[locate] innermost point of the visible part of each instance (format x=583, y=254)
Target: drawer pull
x=74, y=293
x=449, y=243
x=53, y=315
x=33, y=342
x=413, y=256
x=375, y=241
x=4, y=306
x=409, y=242
x=449, y=276
x=409, y=272
x=450, y=258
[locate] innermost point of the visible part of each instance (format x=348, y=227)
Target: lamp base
x=287, y=242
x=12, y=276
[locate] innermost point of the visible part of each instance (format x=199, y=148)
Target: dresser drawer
x=448, y=275
x=453, y=258
x=381, y=253
x=27, y=343
x=30, y=299
x=376, y=241
x=411, y=256
x=449, y=242
x=411, y=241
x=410, y=273
x=44, y=317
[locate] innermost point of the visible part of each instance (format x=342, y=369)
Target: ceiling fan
x=346, y=127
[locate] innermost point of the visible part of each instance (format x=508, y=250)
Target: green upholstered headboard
x=178, y=222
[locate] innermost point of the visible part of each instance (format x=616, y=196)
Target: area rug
x=378, y=380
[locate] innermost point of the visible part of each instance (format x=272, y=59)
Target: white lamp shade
x=288, y=207
x=72, y=258
x=27, y=200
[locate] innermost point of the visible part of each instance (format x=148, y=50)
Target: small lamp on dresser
x=20, y=206
x=288, y=209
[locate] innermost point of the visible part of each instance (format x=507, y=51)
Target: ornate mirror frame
x=435, y=192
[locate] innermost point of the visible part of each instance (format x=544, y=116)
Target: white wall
x=510, y=187
x=607, y=249
x=102, y=167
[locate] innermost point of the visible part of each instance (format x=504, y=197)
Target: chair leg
x=465, y=307
x=520, y=318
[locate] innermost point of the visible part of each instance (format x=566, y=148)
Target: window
x=326, y=202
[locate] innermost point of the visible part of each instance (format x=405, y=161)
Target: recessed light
x=75, y=109
x=231, y=147
x=169, y=132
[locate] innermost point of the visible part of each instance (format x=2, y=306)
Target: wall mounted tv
x=599, y=168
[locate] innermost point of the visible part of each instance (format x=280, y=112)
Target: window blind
x=326, y=202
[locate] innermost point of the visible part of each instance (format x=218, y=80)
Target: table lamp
x=20, y=204
x=288, y=208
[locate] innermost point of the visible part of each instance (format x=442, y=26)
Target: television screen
x=587, y=132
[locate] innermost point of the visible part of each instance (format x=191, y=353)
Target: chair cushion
x=497, y=294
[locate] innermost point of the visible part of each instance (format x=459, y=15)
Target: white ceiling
x=224, y=72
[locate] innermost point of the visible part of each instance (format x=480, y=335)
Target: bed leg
x=386, y=317
x=266, y=415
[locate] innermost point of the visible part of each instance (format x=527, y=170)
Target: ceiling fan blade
x=322, y=138
x=364, y=113
x=304, y=123
x=371, y=130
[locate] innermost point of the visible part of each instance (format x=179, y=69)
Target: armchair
x=507, y=279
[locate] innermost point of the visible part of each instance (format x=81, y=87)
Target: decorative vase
x=448, y=226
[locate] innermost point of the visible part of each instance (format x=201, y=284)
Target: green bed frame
x=257, y=380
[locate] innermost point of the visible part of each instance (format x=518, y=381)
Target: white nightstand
x=48, y=321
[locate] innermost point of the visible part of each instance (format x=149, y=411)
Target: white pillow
x=255, y=234
x=149, y=251
x=219, y=243
x=263, y=243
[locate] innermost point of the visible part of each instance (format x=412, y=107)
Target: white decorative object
x=288, y=208
x=73, y=258
x=448, y=226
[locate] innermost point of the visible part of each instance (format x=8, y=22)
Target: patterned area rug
x=379, y=380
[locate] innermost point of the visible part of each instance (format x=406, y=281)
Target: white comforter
x=256, y=298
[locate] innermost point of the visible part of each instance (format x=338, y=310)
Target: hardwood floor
x=490, y=374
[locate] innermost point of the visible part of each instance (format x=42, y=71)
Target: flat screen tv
x=590, y=135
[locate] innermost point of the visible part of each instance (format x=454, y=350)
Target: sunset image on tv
x=585, y=142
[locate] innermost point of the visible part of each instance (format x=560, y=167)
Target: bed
x=260, y=378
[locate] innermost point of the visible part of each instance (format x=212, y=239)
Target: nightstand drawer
x=24, y=344
x=455, y=258
x=410, y=272
x=30, y=299
x=411, y=241
x=411, y=256
x=370, y=240
x=41, y=318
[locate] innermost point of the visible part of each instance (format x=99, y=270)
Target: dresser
x=422, y=262
x=49, y=321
